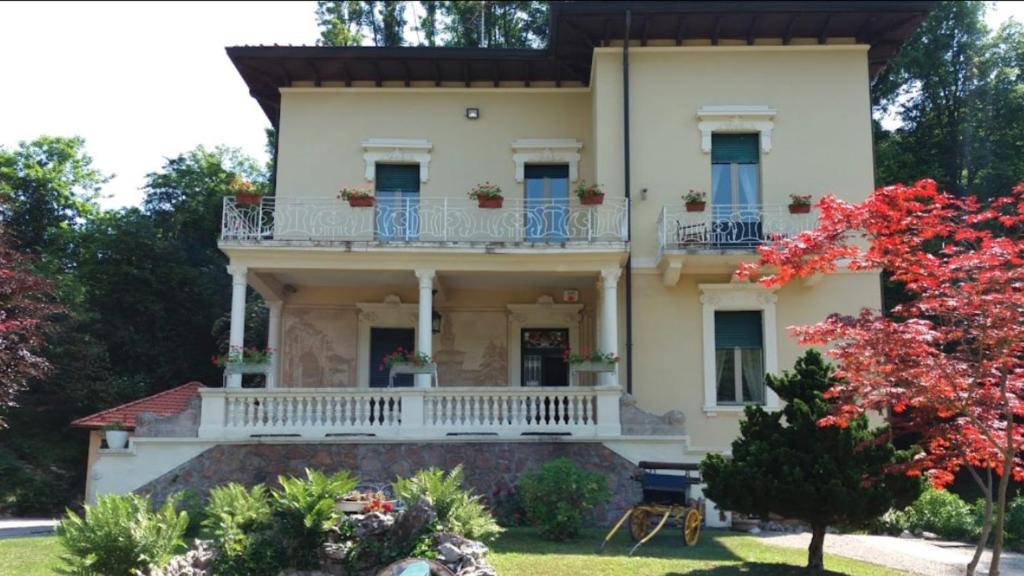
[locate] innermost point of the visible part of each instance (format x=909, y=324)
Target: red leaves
x=949, y=363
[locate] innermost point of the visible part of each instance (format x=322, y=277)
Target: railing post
x=444, y=219
x=607, y=401
x=212, y=410
x=590, y=225
x=413, y=410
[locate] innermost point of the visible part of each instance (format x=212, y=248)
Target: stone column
x=274, y=341
x=608, y=341
x=424, y=334
x=236, y=339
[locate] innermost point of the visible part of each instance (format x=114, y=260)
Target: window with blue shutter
x=398, y=202
x=547, y=202
x=739, y=357
x=736, y=190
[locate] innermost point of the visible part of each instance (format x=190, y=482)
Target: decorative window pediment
x=736, y=119
x=399, y=151
x=547, y=151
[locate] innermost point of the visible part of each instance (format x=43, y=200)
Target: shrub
x=306, y=511
x=1014, y=523
x=943, y=513
x=120, y=535
x=558, y=494
x=458, y=510
x=507, y=507
x=188, y=501
x=238, y=522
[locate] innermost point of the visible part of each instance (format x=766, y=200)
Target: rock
x=906, y=534
x=449, y=553
x=929, y=536
x=755, y=530
x=196, y=562
x=372, y=524
x=410, y=524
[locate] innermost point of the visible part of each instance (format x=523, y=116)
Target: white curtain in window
x=748, y=176
x=752, y=362
x=721, y=185
x=725, y=378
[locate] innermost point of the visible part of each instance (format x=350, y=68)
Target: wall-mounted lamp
x=435, y=316
x=473, y=113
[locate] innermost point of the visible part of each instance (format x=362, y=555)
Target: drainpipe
x=629, y=207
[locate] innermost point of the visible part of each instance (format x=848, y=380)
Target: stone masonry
x=486, y=465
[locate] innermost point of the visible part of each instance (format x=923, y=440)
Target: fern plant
x=458, y=509
x=306, y=509
x=120, y=536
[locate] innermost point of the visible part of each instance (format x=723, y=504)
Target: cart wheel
x=639, y=524
x=691, y=527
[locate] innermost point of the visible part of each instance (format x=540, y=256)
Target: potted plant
x=590, y=361
x=116, y=435
x=695, y=200
x=245, y=192
x=589, y=194
x=357, y=502
x=799, y=204
x=487, y=195
x=359, y=197
x=403, y=361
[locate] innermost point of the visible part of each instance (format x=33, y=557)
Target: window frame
x=738, y=297
x=738, y=355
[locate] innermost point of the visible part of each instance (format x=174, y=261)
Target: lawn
x=520, y=552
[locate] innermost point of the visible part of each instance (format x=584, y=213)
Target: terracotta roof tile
x=165, y=403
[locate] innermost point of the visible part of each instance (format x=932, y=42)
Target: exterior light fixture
x=473, y=113
x=435, y=316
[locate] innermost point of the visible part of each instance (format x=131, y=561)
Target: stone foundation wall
x=486, y=465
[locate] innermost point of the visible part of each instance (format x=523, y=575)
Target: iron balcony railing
x=738, y=227
x=426, y=220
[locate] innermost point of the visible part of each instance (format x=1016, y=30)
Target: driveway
x=11, y=527
x=914, y=555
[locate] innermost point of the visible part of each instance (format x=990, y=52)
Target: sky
x=143, y=82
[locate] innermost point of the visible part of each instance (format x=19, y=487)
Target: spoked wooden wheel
x=639, y=524
x=691, y=527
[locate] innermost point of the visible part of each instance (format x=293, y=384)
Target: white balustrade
x=408, y=412
x=426, y=220
x=740, y=227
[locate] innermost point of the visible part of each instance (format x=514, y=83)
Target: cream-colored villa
x=747, y=102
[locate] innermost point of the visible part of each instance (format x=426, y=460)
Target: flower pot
x=351, y=506
x=116, y=439
x=247, y=199
x=361, y=201
x=490, y=201
x=799, y=208
x=695, y=206
x=592, y=200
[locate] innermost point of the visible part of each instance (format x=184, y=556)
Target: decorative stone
x=449, y=553
x=637, y=422
x=196, y=562
x=372, y=524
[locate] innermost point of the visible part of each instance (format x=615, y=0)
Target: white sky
x=142, y=82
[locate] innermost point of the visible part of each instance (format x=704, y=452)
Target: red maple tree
x=25, y=306
x=948, y=362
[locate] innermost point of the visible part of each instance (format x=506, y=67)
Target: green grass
x=521, y=552
x=33, y=556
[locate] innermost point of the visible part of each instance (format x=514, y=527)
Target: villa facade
x=749, y=102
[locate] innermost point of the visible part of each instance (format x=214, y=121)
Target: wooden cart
x=666, y=499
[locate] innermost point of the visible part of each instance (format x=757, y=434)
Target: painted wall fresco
x=473, y=349
x=319, y=347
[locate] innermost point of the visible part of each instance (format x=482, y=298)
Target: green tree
x=49, y=188
x=784, y=463
x=495, y=24
x=349, y=22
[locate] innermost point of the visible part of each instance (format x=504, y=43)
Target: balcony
x=718, y=239
x=420, y=413
x=427, y=222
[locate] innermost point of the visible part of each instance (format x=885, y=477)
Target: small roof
x=165, y=403
x=576, y=28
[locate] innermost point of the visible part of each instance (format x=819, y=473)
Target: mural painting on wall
x=473, y=349
x=319, y=348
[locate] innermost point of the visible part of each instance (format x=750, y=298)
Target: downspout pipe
x=629, y=207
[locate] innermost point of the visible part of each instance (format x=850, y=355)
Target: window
x=398, y=201
x=547, y=202
x=542, y=357
x=739, y=357
x=735, y=189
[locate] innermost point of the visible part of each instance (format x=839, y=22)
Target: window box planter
x=116, y=439
x=247, y=199
x=361, y=201
x=491, y=202
x=695, y=206
x=247, y=368
x=593, y=367
x=408, y=368
x=799, y=208
x=592, y=199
